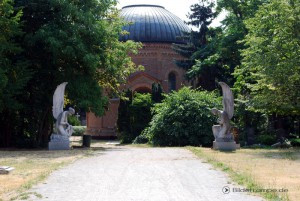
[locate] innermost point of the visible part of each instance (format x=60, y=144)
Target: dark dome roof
x=152, y=23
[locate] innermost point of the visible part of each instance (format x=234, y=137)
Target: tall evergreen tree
x=213, y=53
x=200, y=17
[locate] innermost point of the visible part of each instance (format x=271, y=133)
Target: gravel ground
x=138, y=174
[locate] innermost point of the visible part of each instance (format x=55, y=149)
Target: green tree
x=269, y=76
x=14, y=73
x=271, y=60
x=214, y=53
x=73, y=41
x=200, y=17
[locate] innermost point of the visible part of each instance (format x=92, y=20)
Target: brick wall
x=158, y=60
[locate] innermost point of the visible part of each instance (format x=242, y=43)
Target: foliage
x=250, y=123
x=201, y=17
x=270, y=71
x=295, y=142
x=134, y=116
x=73, y=120
x=79, y=130
x=141, y=139
x=14, y=72
x=73, y=41
x=213, y=53
x=135, y=113
x=183, y=118
x=157, y=93
x=266, y=139
x=123, y=121
x=257, y=49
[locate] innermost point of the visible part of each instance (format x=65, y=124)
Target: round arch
x=142, y=88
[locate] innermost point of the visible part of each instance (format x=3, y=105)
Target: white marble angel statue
x=62, y=126
x=223, y=130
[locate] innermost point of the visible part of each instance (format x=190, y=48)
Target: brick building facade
x=157, y=29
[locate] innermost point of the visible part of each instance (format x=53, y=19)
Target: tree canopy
x=255, y=50
x=270, y=68
x=72, y=41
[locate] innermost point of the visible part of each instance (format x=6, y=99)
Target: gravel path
x=138, y=174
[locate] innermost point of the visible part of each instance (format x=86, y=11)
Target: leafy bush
x=183, y=118
x=266, y=139
x=141, y=112
x=141, y=139
x=135, y=117
x=79, y=130
x=295, y=142
x=73, y=120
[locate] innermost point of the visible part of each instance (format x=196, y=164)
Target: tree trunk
x=44, y=128
x=250, y=132
x=6, y=129
x=280, y=130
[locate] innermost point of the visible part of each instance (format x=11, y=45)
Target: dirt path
x=138, y=174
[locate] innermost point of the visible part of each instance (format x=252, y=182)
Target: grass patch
x=26, y=196
x=34, y=166
x=259, y=169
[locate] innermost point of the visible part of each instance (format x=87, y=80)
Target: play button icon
x=226, y=190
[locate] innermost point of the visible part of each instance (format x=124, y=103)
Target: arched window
x=172, y=81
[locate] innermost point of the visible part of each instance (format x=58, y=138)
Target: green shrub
x=125, y=137
x=134, y=116
x=183, y=118
x=295, y=142
x=141, y=139
x=79, y=130
x=73, y=120
x=266, y=139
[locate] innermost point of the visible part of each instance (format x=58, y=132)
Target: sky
x=178, y=7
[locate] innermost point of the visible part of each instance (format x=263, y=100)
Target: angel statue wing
x=228, y=104
x=58, y=100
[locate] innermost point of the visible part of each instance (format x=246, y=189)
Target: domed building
x=157, y=29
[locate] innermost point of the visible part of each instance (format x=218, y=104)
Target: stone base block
x=225, y=146
x=59, y=142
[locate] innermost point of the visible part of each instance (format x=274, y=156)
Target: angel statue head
x=214, y=111
x=71, y=111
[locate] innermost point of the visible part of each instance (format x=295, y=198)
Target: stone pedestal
x=224, y=146
x=59, y=142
